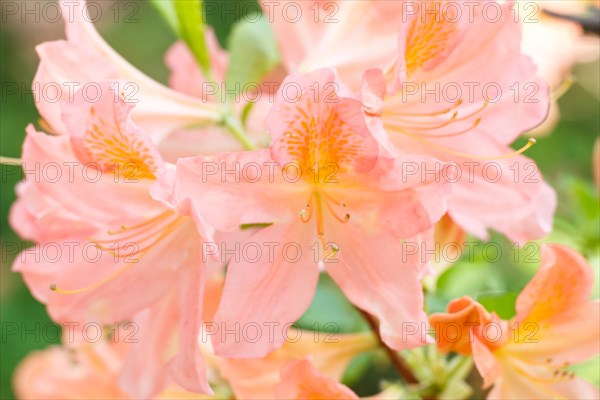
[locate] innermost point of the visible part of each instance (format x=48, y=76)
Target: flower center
x=430, y=36
x=107, y=145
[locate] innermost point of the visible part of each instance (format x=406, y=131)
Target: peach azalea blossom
x=556, y=326
x=256, y=378
x=473, y=130
x=456, y=45
x=88, y=371
x=145, y=261
x=85, y=59
x=349, y=221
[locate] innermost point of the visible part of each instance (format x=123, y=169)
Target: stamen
x=306, y=213
x=11, y=161
x=338, y=203
x=45, y=126
x=427, y=128
x=165, y=231
x=137, y=226
x=54, y=288
x=522, y=150
x=402, y=124
x=337, y=217
x=562, y=89
x=334, y=250
x=432, y=114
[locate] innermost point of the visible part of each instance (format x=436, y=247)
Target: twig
x=397, y=361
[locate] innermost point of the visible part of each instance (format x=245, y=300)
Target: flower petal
x=301, y=380
x=378, y=275
x=265, y=295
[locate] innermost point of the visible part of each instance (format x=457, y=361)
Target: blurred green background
x=564, y=157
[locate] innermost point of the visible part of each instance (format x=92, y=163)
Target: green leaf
x=502, y=304
x=191, y=29
x=253, y=52
x=330, y=311
x=167, y=9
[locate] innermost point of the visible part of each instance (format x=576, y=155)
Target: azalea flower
x=473, y=131
x=122, y=254
x=420, y=91
x=556, y=326
x=349, y=221
x=85, y=59
x=89, y=370
x=331, y=354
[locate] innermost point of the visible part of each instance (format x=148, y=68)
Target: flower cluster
x=207, y=222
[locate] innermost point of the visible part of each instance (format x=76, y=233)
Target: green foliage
x=502, y=304
x=491, y=272
x=191, y=29
x=253, y=52
x=331, y=311
x=167, y=10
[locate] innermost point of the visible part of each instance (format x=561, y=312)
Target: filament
x=337, y=217
x=54, y=288
x=154, y=231
x=432, y=114
x=522, y=150
x=11, y=161
x=307, y=212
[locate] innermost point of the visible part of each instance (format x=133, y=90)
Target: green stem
x=396, y=359
x=236, y=129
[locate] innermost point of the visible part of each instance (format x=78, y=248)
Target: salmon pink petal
x=508, y=196
x=554, y=312
x=565, y=339
x=188, y=367
x=266, y=291
x=301, y=380
x=61, y=69
x=102, y=132
x=39, y=218
x=378, y=275
x=255, y=378
x=487, y=364
x=563, y=283
x=443, y=51
x=404, y=199
x=102, y=285
x=320, y=123
x=231, y=189
x=337, y=34
x=52, y=166
x=143, y=374
x=456, y=328
x=63, y=373
x=516, y=385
